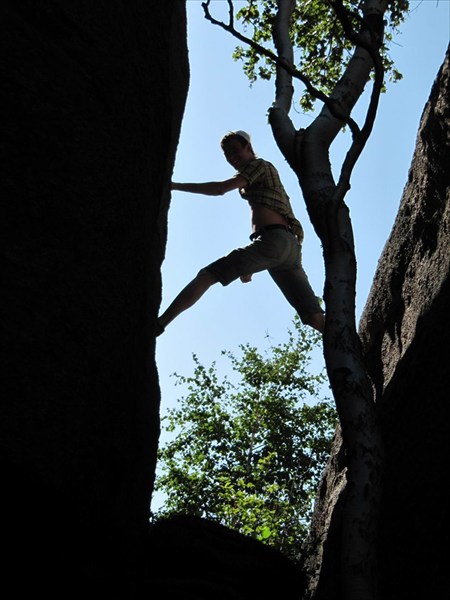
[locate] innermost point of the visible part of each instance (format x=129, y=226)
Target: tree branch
x=360, y=141
x=283, y=83
x=358, y=39
x=283, y=129
x=349, y=380
x=372, y=48
x=289, y=68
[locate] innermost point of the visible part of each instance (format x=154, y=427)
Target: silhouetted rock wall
x=405, y=330
x=197, y=559
x=92, y=96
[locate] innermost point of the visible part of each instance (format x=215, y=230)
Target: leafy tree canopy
x=249, y=454
x=321, y=47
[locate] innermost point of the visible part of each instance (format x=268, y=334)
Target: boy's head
x=237, y=147
x=241, y=136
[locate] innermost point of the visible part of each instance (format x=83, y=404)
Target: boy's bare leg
x=317, y=321
x=188, y=296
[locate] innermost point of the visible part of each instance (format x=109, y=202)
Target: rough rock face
x=405, y=330
x=92, y=96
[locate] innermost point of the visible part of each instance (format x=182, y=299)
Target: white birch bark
x=308, y=154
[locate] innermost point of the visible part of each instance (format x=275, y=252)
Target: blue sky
x=202, y=229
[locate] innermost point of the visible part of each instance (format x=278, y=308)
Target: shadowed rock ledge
x=92, y=95
x=92, y=98
x=197, y=559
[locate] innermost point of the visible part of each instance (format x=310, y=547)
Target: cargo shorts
x=279, y=252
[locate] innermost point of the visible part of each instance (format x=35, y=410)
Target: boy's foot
x=159, y=328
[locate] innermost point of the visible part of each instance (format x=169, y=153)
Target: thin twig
x=359, y=142
x=282, y=63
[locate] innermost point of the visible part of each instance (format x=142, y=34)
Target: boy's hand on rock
x=246, y=278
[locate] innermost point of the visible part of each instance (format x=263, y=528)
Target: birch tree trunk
x=307, y=152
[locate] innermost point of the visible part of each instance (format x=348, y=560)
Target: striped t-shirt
x=265, y=187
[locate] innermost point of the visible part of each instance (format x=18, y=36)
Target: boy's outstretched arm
x=211, y=188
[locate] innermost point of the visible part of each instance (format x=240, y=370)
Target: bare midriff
x=261, y=216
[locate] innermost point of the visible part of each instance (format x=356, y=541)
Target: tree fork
x=307, y=153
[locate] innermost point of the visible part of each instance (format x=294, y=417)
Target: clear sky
x=202, y=229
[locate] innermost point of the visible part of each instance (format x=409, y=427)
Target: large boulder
x=92, y=97
x=196, y=559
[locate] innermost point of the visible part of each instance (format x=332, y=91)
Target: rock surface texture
x=92, y=98
x=405, y=331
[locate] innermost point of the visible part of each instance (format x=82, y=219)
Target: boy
x=276, y=238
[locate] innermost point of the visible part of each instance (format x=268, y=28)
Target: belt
x=262, y=230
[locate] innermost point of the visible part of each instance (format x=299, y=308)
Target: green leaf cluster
x=321, y=48
x=249, y=453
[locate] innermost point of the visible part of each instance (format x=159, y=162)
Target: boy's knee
x=206, y=276
x=317, y=321
x=205, y=279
